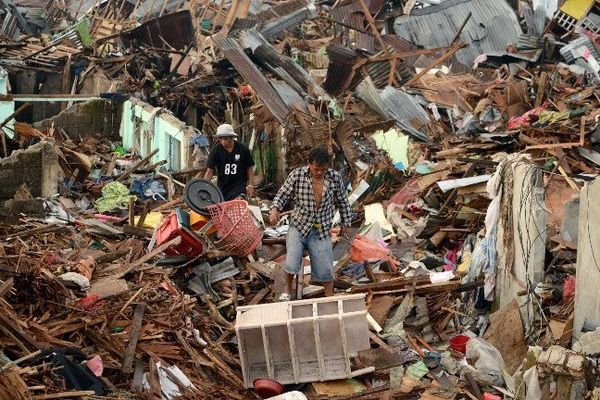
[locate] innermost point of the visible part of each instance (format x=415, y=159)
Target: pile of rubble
x=467, y=133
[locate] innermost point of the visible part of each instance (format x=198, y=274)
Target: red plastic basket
x=236, y=229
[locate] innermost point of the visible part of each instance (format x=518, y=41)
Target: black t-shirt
x=232, y=168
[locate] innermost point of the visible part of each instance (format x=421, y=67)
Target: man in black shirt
x=233, y=162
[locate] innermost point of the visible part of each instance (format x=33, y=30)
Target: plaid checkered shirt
x=306, y=215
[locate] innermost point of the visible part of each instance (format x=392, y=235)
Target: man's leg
x=321, y=261
x=293, y=259
x=289, y=282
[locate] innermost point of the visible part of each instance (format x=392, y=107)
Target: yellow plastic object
x=197, y=221
x=576, y=8
x=153, y=220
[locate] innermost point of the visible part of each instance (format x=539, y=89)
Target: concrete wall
x=37, y=167
x=95, y=117
x=587, y=295
x=6, y=107
x=30, y=82
x=521, y=257
x=145, y=128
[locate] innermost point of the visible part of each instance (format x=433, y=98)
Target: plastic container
x=459, y=343
x=267, y=388
x=197, y=221
x=178, y=224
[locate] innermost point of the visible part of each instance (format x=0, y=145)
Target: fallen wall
x=587, y=295
x=145, y=128
x=521, y=254
x=95, y=117
x=36, y=166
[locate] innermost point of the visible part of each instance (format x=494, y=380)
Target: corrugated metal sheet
x=289, y=95
x=281, y=9
x=407, y=112
x=379, y=71
x=287, y=21
x=246, y=68
x=398, y=105
x=367, y=92
x=176, y=29
x=152, y=8
x=397, y=43
x=279, y=64
x=341, y=12
x=361, y=41
x=492, y=26
x=339, y=73
x=568, y=51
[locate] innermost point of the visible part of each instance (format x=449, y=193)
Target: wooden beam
x=136, y=166
x=134, y=335
x=371, y=22
x=64, y=395
x=406, y=54
x=6, y=286
x=449, y=53
x=149, y=256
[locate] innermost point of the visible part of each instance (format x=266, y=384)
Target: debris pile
x=466, y=132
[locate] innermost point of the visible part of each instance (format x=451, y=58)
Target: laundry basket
x=236, y=230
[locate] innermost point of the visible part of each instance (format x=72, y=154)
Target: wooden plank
x=64, y=395
x=377, y=340
x=6, y=286
x=134, y=335
x=138, y=376
x=23, y=336
x=153, y=380
x=449, y=53
x=149, y=256
x=373, y=27
x=136, y=166
x=259, y=296
x=381, y=358
x=552, y=146
x=380, y=308
x=539, y=98
x=513, y=347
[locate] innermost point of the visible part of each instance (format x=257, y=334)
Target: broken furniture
x=302, y=341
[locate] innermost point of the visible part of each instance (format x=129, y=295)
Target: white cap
x=225, y=130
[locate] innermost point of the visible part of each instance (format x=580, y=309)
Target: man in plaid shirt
x=317, y=192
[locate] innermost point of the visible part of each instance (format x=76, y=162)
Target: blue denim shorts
x=320, y=252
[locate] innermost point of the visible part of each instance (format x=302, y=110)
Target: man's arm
x=211, y=164
x=281, y=198
x=342, y=203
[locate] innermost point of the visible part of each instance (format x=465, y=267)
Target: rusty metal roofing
x=492, y=27
x=246, y=68
x=361, y=40
x=341, y=64
x=176, y=29
x=343, y=10
x=397, y=43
